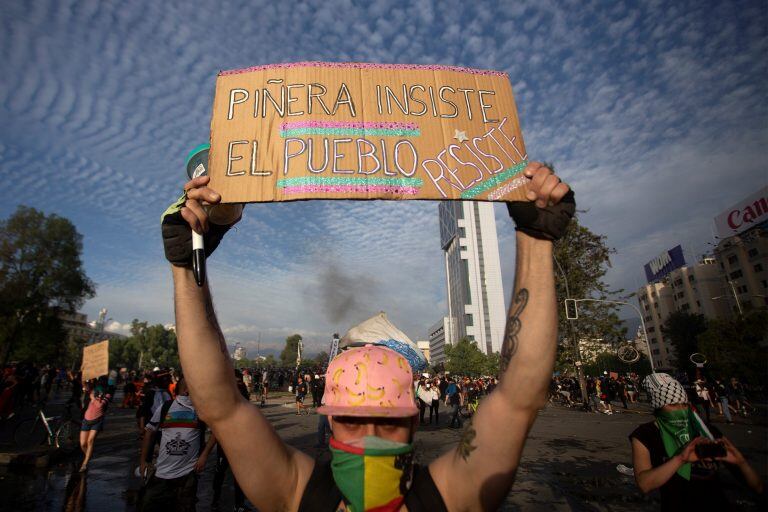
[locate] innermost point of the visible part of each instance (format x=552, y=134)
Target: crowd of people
x=729, y=397
x=171, y=434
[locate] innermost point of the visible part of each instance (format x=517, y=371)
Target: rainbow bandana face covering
x=372, y=473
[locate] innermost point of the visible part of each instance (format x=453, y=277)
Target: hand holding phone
x=712, y=450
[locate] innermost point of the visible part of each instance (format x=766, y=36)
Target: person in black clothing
x=377, y=417
x=76, y=388
x=664, y=453
x=621, y=391
x=301, y=393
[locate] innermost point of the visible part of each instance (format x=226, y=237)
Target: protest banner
x=95, y=360
x=318, y=130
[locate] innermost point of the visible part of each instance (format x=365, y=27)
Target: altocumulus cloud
x=655, y=112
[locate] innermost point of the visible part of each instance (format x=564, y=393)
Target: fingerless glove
x=548, y=223
x=177, y=235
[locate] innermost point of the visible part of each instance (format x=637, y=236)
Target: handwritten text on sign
x=365, y=131
x=95, y=360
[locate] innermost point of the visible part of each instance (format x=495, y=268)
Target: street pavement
x=569, y=463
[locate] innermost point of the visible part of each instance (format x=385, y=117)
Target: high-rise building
x=437, y=340
x=743, y=259
x=656, y=304
x=742, y=253
x=473, y=273
x=692, y=289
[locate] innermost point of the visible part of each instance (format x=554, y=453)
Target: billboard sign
x=749, y=212
x=664, y=263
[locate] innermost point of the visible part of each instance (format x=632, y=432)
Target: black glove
x=547, y=223
x=177, y=235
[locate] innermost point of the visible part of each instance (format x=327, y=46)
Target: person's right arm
x=649, y=478
x=238, y=426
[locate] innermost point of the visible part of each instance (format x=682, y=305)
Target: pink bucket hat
x=369, y=381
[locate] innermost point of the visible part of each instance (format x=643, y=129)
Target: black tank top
x=322, y=494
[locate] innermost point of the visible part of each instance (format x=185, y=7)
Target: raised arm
x=244, y=434
x=479, y=473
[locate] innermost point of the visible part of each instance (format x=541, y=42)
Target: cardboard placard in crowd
x=315, y=130
x=95, y=360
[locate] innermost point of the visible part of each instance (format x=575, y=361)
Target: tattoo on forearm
x=466, y=447
x=514, y=325
x=210, y=314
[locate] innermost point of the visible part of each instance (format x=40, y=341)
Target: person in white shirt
x=183, y=453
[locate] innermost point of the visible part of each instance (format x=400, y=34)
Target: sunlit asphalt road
x=569, y=463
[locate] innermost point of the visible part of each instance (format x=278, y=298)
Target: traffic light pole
x=574, y=340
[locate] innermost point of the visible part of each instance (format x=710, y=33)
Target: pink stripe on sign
x=389, y=125
x=364, y=65
x=350, y=189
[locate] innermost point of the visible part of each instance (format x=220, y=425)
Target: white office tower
x=473, y=273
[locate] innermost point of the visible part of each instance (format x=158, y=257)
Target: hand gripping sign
x=315, y=130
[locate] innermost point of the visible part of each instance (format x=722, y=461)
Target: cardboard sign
x=315, y=130
x=95, y=360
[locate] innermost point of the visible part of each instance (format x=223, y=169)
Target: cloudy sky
x=654, y=111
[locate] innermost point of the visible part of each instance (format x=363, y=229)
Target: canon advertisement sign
x=745, y=214
x=664, y=263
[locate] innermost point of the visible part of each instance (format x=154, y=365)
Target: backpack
x=164, y=412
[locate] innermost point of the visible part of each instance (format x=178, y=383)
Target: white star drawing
x=460, y=135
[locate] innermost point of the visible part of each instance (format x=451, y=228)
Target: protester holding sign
x=368, y=438
x=93, y=419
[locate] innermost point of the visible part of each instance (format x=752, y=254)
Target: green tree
x=736, y=348
x=610, y=362
x=288, y=355
x=244, y=363
x=146, y=347
x=40, y=273
x=492, y=362
x=464, y=358
x=582, y=260
x=683, y=330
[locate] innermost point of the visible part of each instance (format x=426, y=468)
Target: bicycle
x=59, y=431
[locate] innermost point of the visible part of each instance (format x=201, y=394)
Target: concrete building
x=473, y=273
x=80, y=330
x=695, y=287
x=437, y=340
x=743, y=259
x=423, y=345
x=239, y=353
x=590, y=348
x=656, y=304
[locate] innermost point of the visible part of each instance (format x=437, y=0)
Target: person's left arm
x=478, y=474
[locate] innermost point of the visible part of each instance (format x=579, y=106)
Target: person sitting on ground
x=667, y=455
x=373, y=421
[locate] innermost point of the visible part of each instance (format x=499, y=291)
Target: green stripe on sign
x=494, y=181
x=316, y=180
x=376, y=132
